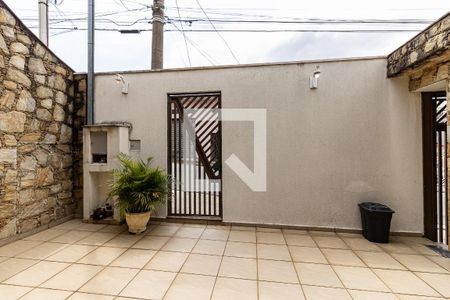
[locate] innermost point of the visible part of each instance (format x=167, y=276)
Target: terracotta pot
x=137, y=223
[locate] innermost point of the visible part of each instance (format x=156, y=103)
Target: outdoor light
x=314, y=79
x=120, y=79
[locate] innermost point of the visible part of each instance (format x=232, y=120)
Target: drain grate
x=440, y=250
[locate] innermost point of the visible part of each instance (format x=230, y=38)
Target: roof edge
x=253, y=65
x=31, y=33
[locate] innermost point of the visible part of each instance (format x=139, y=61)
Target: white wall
x=357, y=137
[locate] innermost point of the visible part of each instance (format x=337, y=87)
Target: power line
x=184, y=34
x=228, y=46
x=211, y=60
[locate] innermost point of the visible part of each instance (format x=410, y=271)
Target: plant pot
x=137, y=223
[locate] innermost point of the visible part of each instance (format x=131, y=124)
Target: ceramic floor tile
x=189, y=232
x=12, y=266
x=300, y=240
x=278, y=271
x=238, y=267
x=442, y=261
x=12, y=292
x=440, y=282
x=317, y=274
x=69, y=225
x=191, y=287
x=324, y=293
x=270, y=238
x=42, y=251
x=15, y=248
x=277, y=252
x=295, y=231
x=307, y=254
x=45, y=294
x=397, y=247
x=268, y=229
x=71, y=237
x=37, y=274
x=243, y=228
x=366, y=295
x=45, y=235
x=202, y=264
x=360, y=279
x=240, y=249
x=362, y=244
x=209, y=247
x=71, y=253
x=110, y=281
x=342, y=257
x=180, y=245
x=322, y=233
x=72, y=278
x=276, y=290
x=330, y=242
x=151, y=242
x=149, y=284
x=162, y=230
x=167, y=261
x=242, y=236
x=411, y=297
x=423, y=249
x=86, y=296
x=215, y=234
x=91, y=227
x=123, y=240
x=134, y=258
x=404, y=282
x=231, y=288
x=102, y=256
x=114, y=228
x=379, y=260
x=418, y=263
x=96, y=238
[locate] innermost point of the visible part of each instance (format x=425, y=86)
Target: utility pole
x=158, y=34
x=90, y=76
x=43, y=21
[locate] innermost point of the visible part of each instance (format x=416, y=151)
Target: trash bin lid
x=375, y=207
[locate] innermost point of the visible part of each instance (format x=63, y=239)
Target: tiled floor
x=80, y=261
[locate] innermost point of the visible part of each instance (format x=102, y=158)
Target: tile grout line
x=293, y=264
x=220, y=265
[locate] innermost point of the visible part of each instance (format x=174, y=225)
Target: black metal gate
x=441, y=167
x=434, y=126
x=195, y=155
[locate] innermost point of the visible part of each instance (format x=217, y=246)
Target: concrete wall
x=357, y=137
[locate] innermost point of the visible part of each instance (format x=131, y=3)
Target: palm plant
x=138, y=186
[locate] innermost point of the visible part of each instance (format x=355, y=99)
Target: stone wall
x=429, y=47
x=37, y=116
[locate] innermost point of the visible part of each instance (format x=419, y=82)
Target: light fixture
x=120, y=79
x=314, y=79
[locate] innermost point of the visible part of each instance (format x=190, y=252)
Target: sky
x=115, y=51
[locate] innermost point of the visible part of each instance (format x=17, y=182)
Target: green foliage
x=138, y=186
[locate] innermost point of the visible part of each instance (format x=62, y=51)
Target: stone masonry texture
x=40, y=148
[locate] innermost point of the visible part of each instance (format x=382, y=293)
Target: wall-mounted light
x=314, y=79
x=120, y=79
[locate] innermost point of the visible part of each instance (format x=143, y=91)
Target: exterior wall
x=356, y=138
x=36, y=125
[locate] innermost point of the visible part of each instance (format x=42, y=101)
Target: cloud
x=306, y=46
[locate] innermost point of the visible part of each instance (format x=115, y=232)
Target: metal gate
x=440, y=156
x=195, y=155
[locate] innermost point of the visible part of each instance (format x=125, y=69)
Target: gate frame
x=429, y=128
x=169, y=155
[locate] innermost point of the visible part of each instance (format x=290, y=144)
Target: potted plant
x=139, y=188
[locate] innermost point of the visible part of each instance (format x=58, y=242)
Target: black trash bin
x=376, y=221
